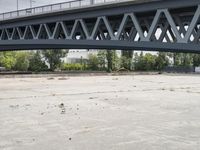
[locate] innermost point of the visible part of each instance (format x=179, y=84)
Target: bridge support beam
x=104, y=44
x=173, y=28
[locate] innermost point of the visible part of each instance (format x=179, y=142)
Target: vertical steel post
x=30, y=3
x=17, y=7
x=91, y=2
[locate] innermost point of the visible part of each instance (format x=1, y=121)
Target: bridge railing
x=51, y=8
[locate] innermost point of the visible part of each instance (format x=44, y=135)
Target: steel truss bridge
x=159, y=25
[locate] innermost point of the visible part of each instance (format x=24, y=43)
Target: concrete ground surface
x=142, y=112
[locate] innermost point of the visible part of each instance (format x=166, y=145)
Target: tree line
x=104, y=60
x=143, y=61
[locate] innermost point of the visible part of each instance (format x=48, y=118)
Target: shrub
x=36, y=63
x=73, y=67
x=22, y=61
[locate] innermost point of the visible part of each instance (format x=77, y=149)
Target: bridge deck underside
x=160, y=27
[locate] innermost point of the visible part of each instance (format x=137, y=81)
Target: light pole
x=91, y=2
x=31, y=3
x=17, y=5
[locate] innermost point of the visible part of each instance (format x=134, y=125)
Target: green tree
x=109, y=57
x=93, y=62
x=145, y=62
x=162, y=61
x=126, y=59
x=36, y=63
x=181, y=59
x=138, y=61
x=102, y=59
x=113, y=60
x=22, y=61
x=196, y=60
x=186, y=59
x=8, y=59
x=176, y=59
x=53, y=57
x=150, y=61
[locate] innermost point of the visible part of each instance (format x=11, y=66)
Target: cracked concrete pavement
x=157, y=112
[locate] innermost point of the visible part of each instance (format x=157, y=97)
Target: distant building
x=76, y=55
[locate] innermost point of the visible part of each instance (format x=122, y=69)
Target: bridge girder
x=162, y=26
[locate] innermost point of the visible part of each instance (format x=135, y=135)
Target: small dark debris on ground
x=50, y=78
x=93, y=97
x=63, y=78
x=14, y=106
x=62, y=106
x=115, y=79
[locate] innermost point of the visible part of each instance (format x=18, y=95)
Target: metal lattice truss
x=160, y=26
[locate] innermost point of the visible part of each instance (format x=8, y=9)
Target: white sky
x=11, y=5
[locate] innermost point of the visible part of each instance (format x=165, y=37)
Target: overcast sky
x=11, y=5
